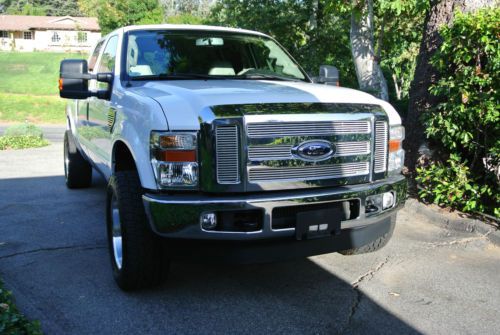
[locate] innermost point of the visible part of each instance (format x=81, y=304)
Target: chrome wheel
x=116, y=232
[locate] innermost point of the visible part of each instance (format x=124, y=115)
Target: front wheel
x=374, y=245
x=137, y=256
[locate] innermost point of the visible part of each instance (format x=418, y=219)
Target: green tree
x=89, y=7
x=41, y=7
x=398, y=26
x=59, y=7
x=24, y=7
x=118, y=13
x=440, y=13
x=318, y=32
x=465, y=125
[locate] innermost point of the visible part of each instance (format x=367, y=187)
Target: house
x=48, y=33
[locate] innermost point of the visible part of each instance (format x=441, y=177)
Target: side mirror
x=328, y=75
x=72, y=85
x=74, y=80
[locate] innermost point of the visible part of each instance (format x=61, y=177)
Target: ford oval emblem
x=315, y=150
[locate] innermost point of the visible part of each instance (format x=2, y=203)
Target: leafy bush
x=452, y=185
x=11, y=321
x=22, y=136
x=465, y=126
x=24, y=129
x=21, y=142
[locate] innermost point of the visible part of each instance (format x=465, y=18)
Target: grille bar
x=320, y=128
x=309, y=172
x=284, y=152
x=227, y=146
x=380, y=163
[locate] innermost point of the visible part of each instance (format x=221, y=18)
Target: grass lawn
x=31, y=72
x=34, y=109
x=28, y=86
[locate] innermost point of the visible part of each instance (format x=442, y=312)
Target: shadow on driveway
x=53, y=256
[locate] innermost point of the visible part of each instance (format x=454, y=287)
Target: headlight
x=396, y=152
x=174, y=159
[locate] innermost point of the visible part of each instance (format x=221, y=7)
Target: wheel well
x=122, y=158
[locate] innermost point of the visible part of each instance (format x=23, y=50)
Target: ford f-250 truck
x=215, y=138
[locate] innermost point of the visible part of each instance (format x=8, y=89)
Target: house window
x=55, y=37
x=82, y=37
x=28, y=35
x=4, y=34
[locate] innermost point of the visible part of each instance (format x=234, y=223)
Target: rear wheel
x=137, y=256
x=77, y=171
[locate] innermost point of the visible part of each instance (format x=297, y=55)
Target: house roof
x=24, y=23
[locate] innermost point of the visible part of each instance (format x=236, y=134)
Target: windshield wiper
x=267, y=76
x=177, y=76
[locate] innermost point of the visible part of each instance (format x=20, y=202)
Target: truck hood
x=186, y=102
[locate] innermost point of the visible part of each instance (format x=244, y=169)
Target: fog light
x=373, y=204
x=387, y=200
x=379, y=202
x=208, y=221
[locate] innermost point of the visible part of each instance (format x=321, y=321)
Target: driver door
x=101, y=111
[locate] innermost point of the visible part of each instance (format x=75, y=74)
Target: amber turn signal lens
x=394, y=145
x=60, y=84
x=178, y=141
x=168, y=141
x=178, y=156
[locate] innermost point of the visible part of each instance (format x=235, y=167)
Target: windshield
x=208, y=55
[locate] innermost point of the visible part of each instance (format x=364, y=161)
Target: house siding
x=42, y=41
x=42, y=30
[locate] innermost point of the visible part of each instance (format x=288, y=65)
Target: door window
x=95, y=55
x=108, y=58
x=107, y=63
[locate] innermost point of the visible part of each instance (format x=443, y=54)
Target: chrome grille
x=380, y=162
x=227, y=160
x=313, y=172
x=269, y=152
x=284, y=152
x=319, y=128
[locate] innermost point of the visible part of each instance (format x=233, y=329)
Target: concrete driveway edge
x=454, y=220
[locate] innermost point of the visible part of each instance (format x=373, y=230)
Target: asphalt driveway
x=53, y=257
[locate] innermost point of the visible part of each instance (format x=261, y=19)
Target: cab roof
x=190, y=27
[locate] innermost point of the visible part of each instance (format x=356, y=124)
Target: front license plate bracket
x=318, y=223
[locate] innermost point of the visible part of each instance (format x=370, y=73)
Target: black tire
x=375, y=245
x=143, y=263
x=77, y=171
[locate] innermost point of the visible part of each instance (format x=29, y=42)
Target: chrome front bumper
x=178, y=216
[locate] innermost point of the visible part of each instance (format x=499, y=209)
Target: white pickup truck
x=217, y=145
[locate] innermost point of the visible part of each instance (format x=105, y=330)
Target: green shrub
x=21, y=142
x=24, y=129
x=11, y=321
x=22, y=136
x=465, y=126
x=452, y=185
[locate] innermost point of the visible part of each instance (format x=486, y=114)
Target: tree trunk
x=440, y=13
x=313, y=18
x=368, y=71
